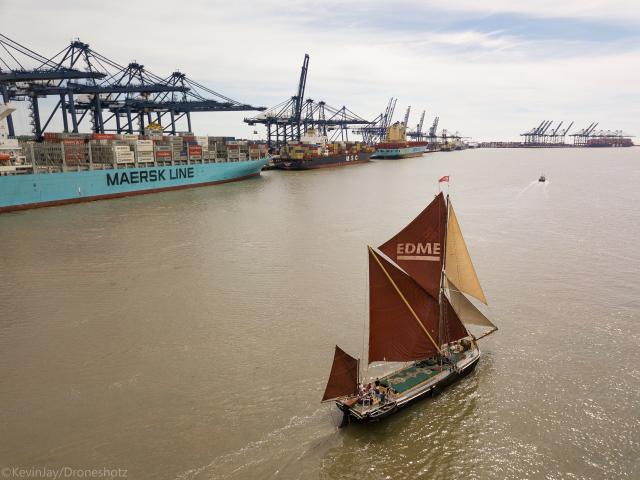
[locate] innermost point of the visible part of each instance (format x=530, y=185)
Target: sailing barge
x=418, y=313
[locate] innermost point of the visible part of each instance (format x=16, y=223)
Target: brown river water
x=189, y=335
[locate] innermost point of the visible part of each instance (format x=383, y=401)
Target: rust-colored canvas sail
x=418, y=247
x=454, y=329
x=403, y=317
x=343, y=380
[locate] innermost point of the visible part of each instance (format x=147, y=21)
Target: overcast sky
x=490, y=69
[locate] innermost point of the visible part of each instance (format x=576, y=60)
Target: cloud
x=488, y=73
x=627, y=11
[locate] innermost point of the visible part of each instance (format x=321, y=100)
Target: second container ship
x=315, y=151
x=396, y=145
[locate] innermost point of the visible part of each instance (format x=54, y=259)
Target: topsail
x=418, y=248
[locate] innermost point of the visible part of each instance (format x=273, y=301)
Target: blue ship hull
x=18, y=192
x=403, y=152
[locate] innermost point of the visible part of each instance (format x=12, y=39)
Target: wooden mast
x=441, y=318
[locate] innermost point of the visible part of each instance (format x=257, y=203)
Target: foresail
x=403, y=317
x=418, y=247
x=343, y=380
x=467, y=311
x=458, y=265
x=453, y=326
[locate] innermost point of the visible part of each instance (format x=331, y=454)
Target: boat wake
x=535, y=182
x=268, y=456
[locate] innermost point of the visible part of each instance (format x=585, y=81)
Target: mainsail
x=418, y=247
x=403, y=317
x=458, y=266
x=343, y=380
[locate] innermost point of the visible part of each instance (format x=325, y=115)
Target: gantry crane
x=129, y=95
x=288, y=120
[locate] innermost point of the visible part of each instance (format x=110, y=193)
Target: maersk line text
x=150, y=175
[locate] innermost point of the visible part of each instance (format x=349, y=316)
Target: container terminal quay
x=127, y=131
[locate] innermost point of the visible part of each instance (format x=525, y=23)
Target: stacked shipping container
x=82, y=151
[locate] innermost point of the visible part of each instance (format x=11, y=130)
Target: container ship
x=396, y=145
x=315, y=151
x=609, y=142
x=70, y=168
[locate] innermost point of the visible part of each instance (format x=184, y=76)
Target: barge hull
x=433, y=390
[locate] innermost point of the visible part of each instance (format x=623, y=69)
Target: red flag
x=444, y=179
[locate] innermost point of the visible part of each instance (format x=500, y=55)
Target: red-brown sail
x=418, y=247
x=395, y=299
x=454, y=329
x=343, y=380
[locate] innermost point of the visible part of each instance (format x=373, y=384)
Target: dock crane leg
x=98, y=126
x=63, y=109
x=129, y=120
x=172, y=114
x=36, y=117
x=72, y=111
x=5, y=99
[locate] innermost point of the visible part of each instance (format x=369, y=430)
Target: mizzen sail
x=403, y=317
x=458, y=266
x=418, y=247
x=343, y=380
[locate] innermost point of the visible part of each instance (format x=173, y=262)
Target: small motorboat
x=542, y=178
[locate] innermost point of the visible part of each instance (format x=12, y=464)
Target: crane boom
x=419, y=129
x=406, y=116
